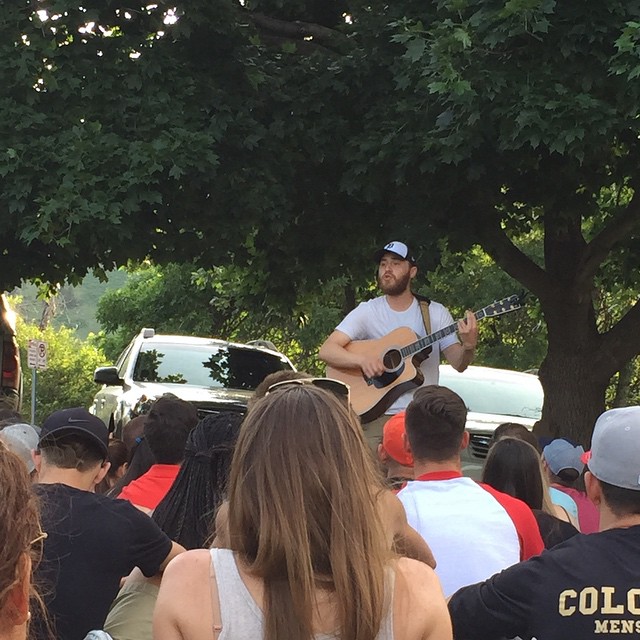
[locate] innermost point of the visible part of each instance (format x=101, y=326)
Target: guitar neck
x=427, y=341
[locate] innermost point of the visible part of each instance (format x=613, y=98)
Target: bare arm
x=184, y=608
x=438, y=626
x=406, y=540
x=420, y=610
x=176, y=549
x=334, y=353
x=460, y=356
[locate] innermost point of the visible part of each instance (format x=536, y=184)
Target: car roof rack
x=267, y=344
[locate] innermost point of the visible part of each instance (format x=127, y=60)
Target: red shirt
x=149, y=489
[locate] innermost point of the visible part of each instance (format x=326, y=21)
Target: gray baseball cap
x=21, y=438
x=615, y=448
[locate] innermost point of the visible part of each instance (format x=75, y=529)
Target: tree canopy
x=288, y=137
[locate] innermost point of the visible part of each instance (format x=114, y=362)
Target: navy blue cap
x=77, y=421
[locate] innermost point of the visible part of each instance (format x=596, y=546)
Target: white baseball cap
x=399, y=248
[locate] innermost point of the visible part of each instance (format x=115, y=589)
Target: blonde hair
x=302, y=513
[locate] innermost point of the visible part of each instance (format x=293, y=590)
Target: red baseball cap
x=393, y=440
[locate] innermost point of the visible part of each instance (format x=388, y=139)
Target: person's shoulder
x=415, y=573
x=373, y=303
x=124, y=507
x=189, y=562
x=61, y=493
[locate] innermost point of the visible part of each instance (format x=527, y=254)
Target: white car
x=492, y=396
x=214, y=375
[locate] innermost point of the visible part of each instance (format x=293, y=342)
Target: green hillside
x=74, y=306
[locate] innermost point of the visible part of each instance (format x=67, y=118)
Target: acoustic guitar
x=402, y=353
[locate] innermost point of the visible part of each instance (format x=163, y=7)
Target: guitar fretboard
x=497, y=308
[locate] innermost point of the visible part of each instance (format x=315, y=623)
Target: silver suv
x=492, y=396
x=214, y=375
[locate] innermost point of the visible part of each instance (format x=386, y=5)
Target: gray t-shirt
x=375, y=318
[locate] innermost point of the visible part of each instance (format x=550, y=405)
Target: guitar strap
x=424, y=308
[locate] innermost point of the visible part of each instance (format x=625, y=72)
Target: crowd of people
x=285, y=524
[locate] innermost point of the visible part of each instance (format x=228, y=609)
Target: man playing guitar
x=398, y=307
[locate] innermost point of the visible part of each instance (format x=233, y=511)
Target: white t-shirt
x=375, y=319
x=470, y=533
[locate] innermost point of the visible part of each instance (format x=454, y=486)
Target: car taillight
x=10, y=366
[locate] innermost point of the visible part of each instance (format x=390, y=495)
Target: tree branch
x=516, y=263
x=622, y=341
x=302, y=46
x=600, y=246
x=298, y=31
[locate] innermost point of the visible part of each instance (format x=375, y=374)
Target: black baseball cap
x=396, y=247
x=77, y=421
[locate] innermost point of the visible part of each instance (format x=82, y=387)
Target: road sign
x=37, y=354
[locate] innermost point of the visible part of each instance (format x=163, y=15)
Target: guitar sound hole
x=392, y=359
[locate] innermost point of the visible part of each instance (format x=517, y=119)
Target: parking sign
x=37, y=354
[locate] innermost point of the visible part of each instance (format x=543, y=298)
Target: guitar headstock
x=499, y=307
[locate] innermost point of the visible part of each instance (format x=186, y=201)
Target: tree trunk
x=349, y=301
x=580, y=361
x=574, y=396
x=621, y=398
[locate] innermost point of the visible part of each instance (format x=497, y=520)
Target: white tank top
x=241, y=616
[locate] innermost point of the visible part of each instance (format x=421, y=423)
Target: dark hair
x=565, y=477
x=167, y=427
x=434, y=422
x=186, y=513
x=132, y=432
x=117, y=456
x=515, y=430
x=141, y=462
x=621, y=501
x=513, y=467
x=71, y=451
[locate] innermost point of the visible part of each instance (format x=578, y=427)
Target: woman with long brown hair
x=513, y=466
x=309, y=555
x=20, y=536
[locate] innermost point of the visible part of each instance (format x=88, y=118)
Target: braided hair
x=186, y=514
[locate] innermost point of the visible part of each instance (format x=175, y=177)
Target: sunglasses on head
x=336, y=387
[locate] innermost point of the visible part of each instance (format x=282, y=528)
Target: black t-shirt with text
x=585, y=588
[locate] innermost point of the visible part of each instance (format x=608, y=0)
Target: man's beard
x=394, y=287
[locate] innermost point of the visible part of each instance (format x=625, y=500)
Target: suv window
x=123, y=360
x=498, y=396
x=205, y=365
